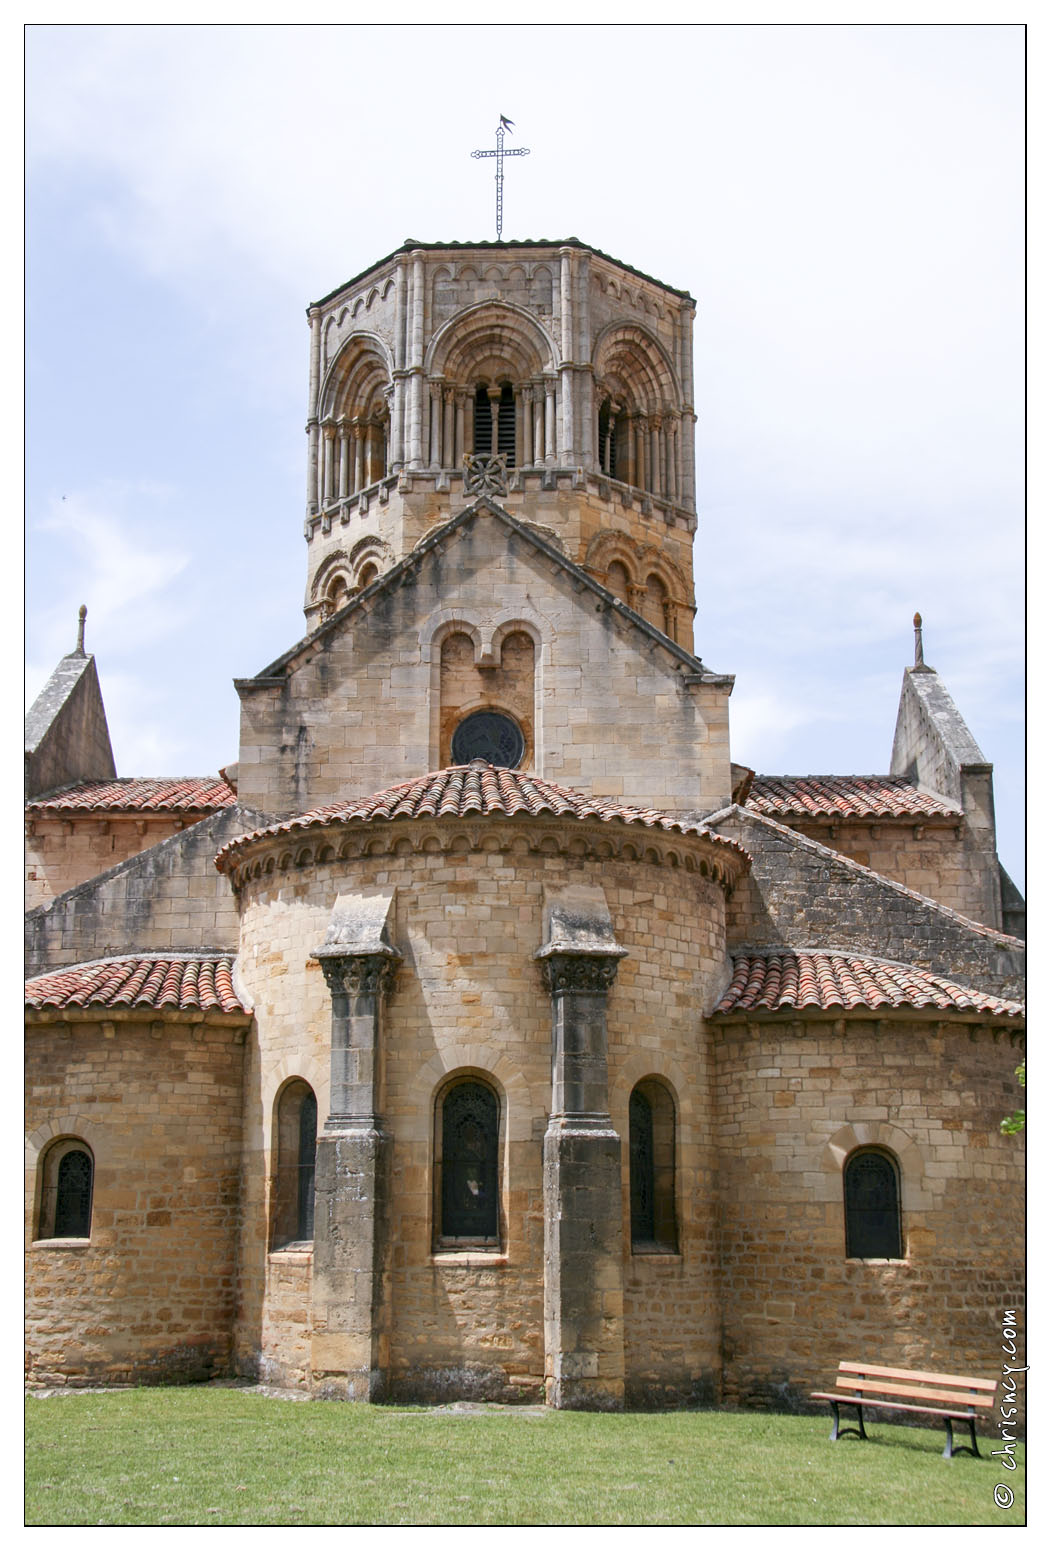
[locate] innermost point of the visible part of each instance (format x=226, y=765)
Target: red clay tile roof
x=191, y=981
x=845, y=797
x=145, y=794
x=483, y=789
x=798, y=978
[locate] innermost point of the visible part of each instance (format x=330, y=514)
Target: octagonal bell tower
x=570, y=368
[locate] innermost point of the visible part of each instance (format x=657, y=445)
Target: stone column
x=550, y=445
x=527, y=426
x=448, y=458
x=350, y=1338
x=461, y=405
x=359, y=454
x=655, y=483
x=329, y=430
x=583, y=1226
x=538, y=424
x=640, y=452
x=344, y=460
x=494, y=411
x=435, y=458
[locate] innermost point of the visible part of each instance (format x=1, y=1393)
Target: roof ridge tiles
x=494, y=792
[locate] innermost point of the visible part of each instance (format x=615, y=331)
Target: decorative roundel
x=488, y=735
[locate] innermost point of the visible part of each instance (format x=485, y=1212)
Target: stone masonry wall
x=469, y=998
x=934, y=863
x=793, y=1099
x=64, y=852
x=151, y=1296
x=167, y=897
x=804, y=895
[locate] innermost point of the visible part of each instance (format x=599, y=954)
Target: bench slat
x=912, y=1391
x=892, y=1405
x=918, y=1378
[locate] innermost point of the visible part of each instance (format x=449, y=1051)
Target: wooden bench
x=867, y=1386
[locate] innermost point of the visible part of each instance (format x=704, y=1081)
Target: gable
x=359, y=704
x=67, y=737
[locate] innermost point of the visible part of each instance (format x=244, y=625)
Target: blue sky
x=845, y=203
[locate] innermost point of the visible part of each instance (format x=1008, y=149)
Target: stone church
x=484, y=1030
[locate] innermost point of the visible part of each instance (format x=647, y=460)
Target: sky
x=845, y=203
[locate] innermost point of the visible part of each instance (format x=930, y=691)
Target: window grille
x=640, y=1156
x=307, y=1152
x=871, y=1208
x=651, y=1169
x=295, y=1148
x=488, y=735
x=469, y=1163
x=483, y=424
x=505, y=425
x=73, y=1196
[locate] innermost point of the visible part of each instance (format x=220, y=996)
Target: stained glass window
x=640, y=1150
x=469, y=1164
x=73, y=1196
x=295, y=1146
x=870, y=1206
x=488, y=735
x=307, y=1151
x=651, y=1168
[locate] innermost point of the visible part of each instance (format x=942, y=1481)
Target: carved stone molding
x=486, y=475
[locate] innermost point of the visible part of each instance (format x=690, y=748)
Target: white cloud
x=97, y=549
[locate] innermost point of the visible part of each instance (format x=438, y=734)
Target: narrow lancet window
x=469, y=1130
x=871, y=1207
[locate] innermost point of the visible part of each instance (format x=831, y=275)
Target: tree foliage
x=1010, y=1124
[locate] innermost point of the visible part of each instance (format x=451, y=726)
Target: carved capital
x=359, y=974
x=576, y=974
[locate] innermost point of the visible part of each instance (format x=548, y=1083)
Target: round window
x=488, y=735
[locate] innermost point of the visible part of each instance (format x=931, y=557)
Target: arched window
x=295, y=1144
x=68, y=1185
x=651, y=1168
x=467, y=1137
x=610, y=436
x=871, y=1206
x=655, y=603
x=367, y=575
x=336, y=596
x=618, y=580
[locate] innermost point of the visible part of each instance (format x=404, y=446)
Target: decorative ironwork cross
x=500, y=153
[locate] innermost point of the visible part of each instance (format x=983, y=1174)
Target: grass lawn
x=228, y=1456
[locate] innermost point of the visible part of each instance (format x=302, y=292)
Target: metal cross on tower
x=500, y=153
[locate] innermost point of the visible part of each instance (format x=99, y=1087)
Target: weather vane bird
x=501, y=129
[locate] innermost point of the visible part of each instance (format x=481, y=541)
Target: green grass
x=228, y=1456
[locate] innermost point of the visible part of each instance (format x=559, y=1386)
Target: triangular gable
x=67, y=737
x=684, y=661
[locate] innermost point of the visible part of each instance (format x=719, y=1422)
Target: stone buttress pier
x=350, y=1346
x=583, y=1229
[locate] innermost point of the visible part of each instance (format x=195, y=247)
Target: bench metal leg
x=840, y=1431
x=961, y=1448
